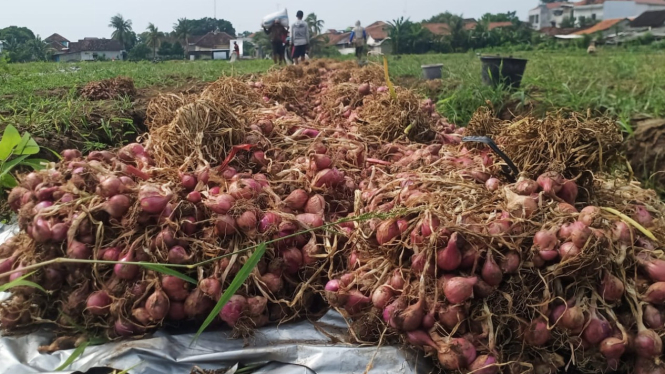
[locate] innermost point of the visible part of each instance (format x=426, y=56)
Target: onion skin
x=458, y=289
x=450, y=258
x=411, y=318
x=648, y=344
x=310, y=220
x=612, y=348
x=568, y=192
x=611, y=288
x=573, y=319
x=273, y=282
x=225, y=225
x=220, y=204
x=211, y=287
x=491, y=273
x=652, y=317
x=537, y=333
x=177, y=311
x=510, y=263
x=387, y=231
x=655, y=294
x=198, y=305
x=296, y=200
x=484, y=364
x=125, y=271
x=117, y=206
x=597, y=329
x=99, y=303
x=157, y=305
x=233, y=310
x=175, y=288
x=579, y=235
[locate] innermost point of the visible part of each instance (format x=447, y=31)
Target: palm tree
x=183, y=29
x=397, y=30
x=39, y=49
x=123, y=29
x=153, y=38
x=315, y=24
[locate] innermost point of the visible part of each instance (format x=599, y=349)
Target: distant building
x=653, y=21
x=1, y=46
x=550, y=14
x=213, y=45
x=377, y=39
x=553, y=14
x=88, y=49
x=608, y=28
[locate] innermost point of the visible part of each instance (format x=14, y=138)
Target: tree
x=446, y=17
x=397, y=30
x=140, y=52
x=19, y=34
x=568, y=22
x=315, y=25
x=177, y=50
x=122, y=31
x=262, y=42
x=153, y=38
x=248, y=49
x=38, y=49
x=183, y=29
x=501, y=17
x=205, y=25
x=165, y=49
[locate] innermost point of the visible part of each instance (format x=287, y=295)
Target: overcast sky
x=75, y=19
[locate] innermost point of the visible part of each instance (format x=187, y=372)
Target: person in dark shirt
x=277, y=33
x=236, y=49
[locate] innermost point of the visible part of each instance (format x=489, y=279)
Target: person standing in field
x=358, y=39
x=236, y=49
x=299, y=38
x=277, y=33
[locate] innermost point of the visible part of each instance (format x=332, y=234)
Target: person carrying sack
x=277, y=32
x=358, y=39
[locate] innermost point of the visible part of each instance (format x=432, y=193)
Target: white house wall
x=620, y=9
x=587, y=11
x=641, y=8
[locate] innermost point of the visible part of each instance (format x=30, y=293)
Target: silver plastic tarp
x=302, y=347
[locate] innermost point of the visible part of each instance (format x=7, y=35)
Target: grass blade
x=391, y=88
x=239, y=279
x=631, y=221
x=76, y=354
x=21, y=282
x=168, y=271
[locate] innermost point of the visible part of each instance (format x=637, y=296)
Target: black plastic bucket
x=503, y=70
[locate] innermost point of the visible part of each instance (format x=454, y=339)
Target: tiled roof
x=437, y=28
x=57, y=46
x=56, y=38
x=600, y=26
x=212, y=40
x=494, y=25
x=90, y=45
x=652, y=18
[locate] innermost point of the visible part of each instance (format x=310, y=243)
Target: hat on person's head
x=299, y=14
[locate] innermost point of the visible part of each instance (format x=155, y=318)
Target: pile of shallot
x=429, y=245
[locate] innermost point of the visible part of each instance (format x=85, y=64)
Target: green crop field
x=42, y=98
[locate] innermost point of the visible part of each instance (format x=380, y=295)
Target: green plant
x=15, y=151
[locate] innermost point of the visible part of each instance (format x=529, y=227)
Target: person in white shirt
x=299, y=38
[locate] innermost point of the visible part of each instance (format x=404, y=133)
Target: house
x=1, y=45
x=608, y=28
x=552, y=14
x=652, y=21
x=443, y=29
x=88, y=49
x=377, y=39
x=615, y=9
x=213, y=45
